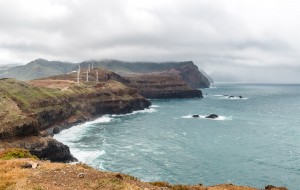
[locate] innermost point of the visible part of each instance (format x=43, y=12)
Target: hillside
x=38, y=68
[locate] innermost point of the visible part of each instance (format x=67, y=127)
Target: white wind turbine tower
x=87, y=75
x=97, y=79
x=89, y=67
x=78, y=73
x=92, y=65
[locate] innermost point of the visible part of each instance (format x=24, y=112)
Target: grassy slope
x=57, y=176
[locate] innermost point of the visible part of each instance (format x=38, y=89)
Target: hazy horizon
x=233, y=41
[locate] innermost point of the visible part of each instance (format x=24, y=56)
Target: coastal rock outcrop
x=191, y=75
x=45, y=148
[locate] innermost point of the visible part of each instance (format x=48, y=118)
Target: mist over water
x=254, y=142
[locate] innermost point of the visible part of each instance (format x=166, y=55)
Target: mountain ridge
x=42, y=68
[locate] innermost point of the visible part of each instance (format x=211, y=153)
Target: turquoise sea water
x=255, y=142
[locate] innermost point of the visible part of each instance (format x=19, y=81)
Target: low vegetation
x=13, y=153
x=59, y=176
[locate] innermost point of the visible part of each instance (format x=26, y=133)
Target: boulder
x=240, y=96
x=56, y=130
x=212, y=116
x=195, y=116
x=230, y=96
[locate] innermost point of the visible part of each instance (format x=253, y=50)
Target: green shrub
x=13, y=153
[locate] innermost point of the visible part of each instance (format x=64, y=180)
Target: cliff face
x=191, y=75
x=26, y=109
x=162, y=86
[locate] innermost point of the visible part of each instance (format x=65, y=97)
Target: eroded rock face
x=45, y=148
x=50, y=149
x=162, y=86
x=191, y=75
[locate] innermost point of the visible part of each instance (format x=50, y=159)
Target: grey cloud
x=220, y=36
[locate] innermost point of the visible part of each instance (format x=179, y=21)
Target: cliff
x=29, y=108
x=18, y=174
x=162, y=86
x=191, y=75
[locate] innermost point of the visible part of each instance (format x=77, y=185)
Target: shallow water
x=255, y=141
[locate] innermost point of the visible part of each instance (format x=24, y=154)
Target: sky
x=232, y=40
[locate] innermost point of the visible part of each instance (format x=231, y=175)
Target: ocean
x=254, y=142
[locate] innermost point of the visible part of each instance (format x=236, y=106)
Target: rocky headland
x=149, y=85
x=29, y=111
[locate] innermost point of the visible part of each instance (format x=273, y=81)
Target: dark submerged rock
x=56, y=130
x=212, y=116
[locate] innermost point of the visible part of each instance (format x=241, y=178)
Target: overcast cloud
x=238, y=40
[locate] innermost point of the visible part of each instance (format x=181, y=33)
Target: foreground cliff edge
x=20, y=170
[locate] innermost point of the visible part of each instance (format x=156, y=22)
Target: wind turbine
x=97, y=76
x=78, y=73
x=87, y=76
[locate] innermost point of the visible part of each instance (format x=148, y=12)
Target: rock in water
x=230, y=96
x=240, y=96
x=56, y=130
x=195, y=116
x=212, y=116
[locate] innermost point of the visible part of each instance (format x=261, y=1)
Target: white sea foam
x=76, y=132
x=103, y=119
x=148, y=110
x=236, y=98
x=87, y=156
x=220, y=118
x=231, y=98
x=154, y=106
